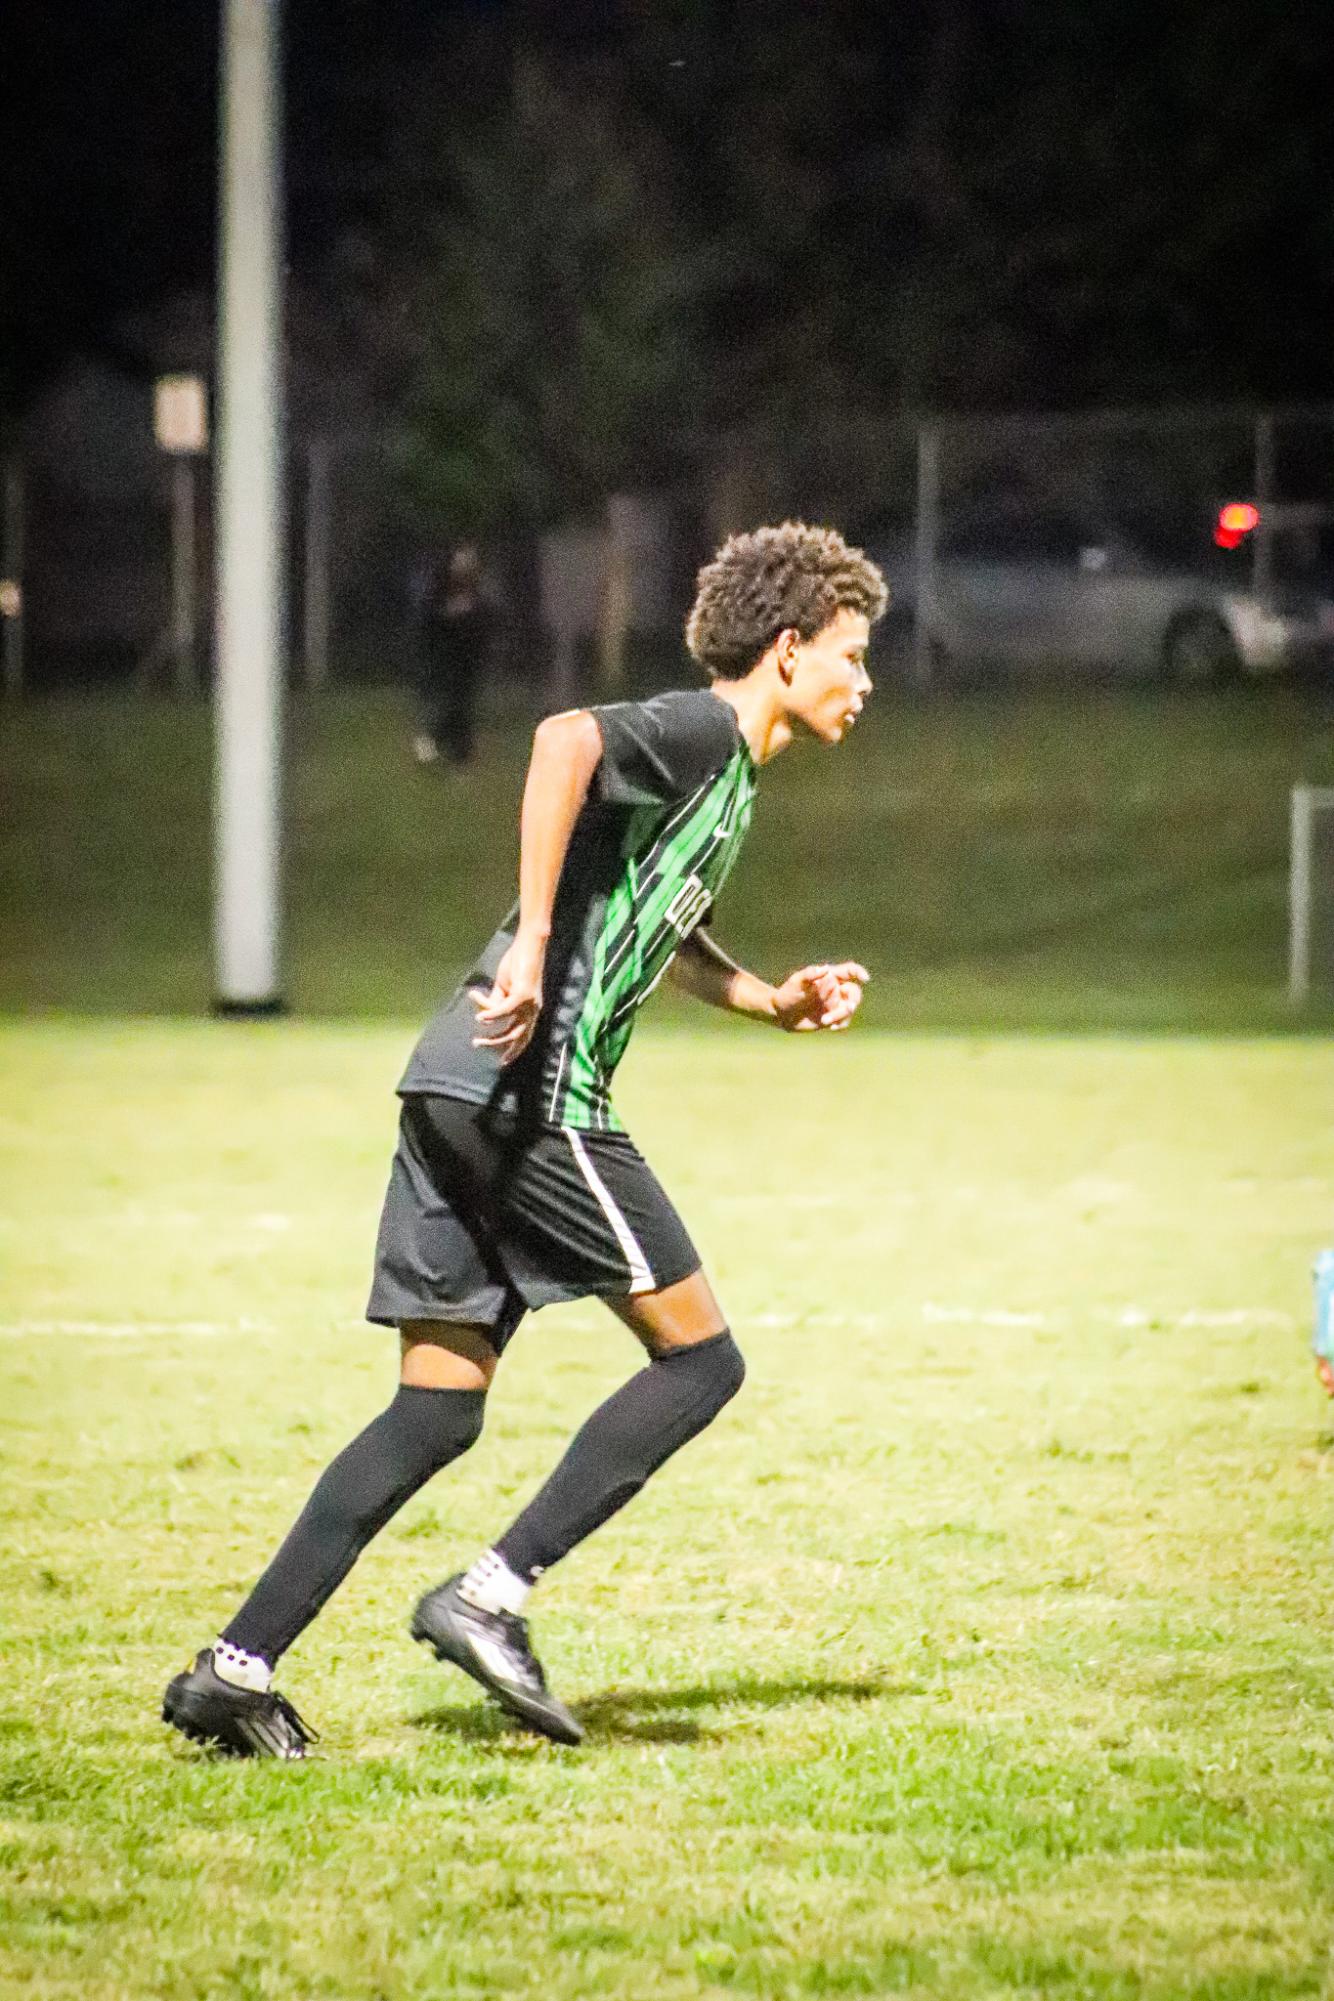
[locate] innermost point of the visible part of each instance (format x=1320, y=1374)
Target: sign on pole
x=180, y=424
x=180, y=413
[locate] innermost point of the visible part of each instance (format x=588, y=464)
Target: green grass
x=980, y=1649
x=1116, y=862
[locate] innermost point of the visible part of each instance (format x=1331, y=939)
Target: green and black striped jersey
x=667, y=812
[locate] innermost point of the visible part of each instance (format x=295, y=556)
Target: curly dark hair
x=763, y=582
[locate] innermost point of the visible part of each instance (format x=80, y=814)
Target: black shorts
x=482, y=1222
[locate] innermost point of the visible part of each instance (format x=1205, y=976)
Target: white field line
x=128, y=1330
x=1234, y=1316
x=1114, y=1316
x=272, y=1222
x=935, y=1314
x=930, y=1310
x=986, y=1316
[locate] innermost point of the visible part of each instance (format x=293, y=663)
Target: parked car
x=1019, y=589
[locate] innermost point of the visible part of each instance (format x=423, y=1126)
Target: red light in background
x=1235, y=521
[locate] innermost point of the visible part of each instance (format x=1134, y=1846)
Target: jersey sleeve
x=657, y=751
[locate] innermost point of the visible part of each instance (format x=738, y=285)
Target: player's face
x=829, y=681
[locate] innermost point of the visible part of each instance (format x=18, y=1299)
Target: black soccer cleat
x=240, y=1721
x=493, y=1648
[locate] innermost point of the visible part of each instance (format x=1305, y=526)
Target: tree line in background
x=567, y=245
x=586, y=258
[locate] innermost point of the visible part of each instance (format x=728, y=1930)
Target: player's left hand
x=820, y=997
x=507, y=1016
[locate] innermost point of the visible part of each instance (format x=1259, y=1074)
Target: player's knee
x=424, y=1430
x=464, y=1428
x=450, y=1424
x=731, y=1369
x=717, y=1366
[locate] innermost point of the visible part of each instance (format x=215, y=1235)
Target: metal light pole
x=315, y=578
x=11, y=581
x=1262, y=537
x=250, y=515
x=925, y=539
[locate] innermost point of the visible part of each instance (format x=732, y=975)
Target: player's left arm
x=823, y=996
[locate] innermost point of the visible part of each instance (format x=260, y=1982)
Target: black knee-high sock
x=361, y=1490
x=626, y=1439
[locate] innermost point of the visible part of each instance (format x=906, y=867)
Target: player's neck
x=759, y=710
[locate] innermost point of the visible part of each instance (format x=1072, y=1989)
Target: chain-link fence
x=1189, y=543
x=1183, y=543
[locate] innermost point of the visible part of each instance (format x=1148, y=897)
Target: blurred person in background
x=454, y=631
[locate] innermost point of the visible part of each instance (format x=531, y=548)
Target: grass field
x=1113, y=862
x=981, y=1648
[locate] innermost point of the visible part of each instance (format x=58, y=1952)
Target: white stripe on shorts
x=641, y=1278
x=560, y=1075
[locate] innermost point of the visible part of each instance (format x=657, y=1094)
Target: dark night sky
x=108, y=166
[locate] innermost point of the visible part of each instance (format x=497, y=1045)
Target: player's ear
x=786, y=647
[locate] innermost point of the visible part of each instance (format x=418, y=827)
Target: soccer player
x=514, y=1183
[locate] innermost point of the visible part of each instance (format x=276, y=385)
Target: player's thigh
x=676, y=1317
x=443, y=1355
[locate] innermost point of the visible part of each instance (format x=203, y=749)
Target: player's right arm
x=566, y=752
x=824, y=996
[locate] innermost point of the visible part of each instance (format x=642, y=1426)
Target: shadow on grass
x=661, y=1715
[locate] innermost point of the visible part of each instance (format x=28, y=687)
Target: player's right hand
x=820, y=996
x=508, y=1015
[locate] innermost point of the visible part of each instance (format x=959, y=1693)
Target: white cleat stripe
x=492, y=1659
